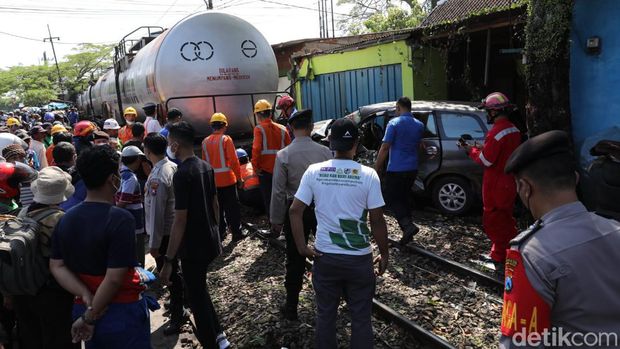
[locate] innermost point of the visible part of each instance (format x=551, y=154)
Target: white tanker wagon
x=205, y=63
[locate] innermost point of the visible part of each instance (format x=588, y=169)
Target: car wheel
x=452, y=195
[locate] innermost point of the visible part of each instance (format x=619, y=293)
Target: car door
x=452, y=125
x=429, y=154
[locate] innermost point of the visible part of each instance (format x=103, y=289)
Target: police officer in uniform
x=561, y=274
x=159, y=214
x=291, y=163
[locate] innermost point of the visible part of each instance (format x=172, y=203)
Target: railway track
x=457, y=267
x=381, y=309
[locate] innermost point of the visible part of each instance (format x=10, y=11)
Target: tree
x=547, y=71
x=76, y=69
x=31, y=85
x=371, y=16
x=37, y=84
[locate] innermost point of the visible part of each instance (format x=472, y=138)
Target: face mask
x=129, y=122
x=170, y=153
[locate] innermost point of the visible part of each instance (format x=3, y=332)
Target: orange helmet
x=83, y=128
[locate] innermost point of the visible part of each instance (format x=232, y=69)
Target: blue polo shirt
x=404, y=134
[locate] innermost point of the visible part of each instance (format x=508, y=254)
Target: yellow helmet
x=58, y=128
x=219, y=117
x=130, y=110
x=12, y=122
x=262, y=105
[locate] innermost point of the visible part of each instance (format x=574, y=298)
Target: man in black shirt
x=195, y=236
x=137, y=130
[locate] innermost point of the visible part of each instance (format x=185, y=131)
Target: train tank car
x=205, y=54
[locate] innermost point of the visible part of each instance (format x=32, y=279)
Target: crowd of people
x=103, y=196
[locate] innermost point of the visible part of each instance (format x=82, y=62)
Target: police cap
x=304, y=115
x=149, y=105
x=542, y=146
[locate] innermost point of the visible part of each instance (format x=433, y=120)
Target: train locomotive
x=207, y=62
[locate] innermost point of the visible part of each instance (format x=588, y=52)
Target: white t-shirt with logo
x=343, y=191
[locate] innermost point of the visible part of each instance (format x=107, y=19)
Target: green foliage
x=371, y=16
x=395, y=18
x=76, y=69
x=547, y=50
x=37, y=84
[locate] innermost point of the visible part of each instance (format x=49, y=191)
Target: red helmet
x=11, y=175
x=495, y=101
x=285, y=102
x=83, y=128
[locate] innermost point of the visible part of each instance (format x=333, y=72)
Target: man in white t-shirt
x=151, y=124
x=344, y=193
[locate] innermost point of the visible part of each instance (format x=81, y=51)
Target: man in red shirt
x=498, y=189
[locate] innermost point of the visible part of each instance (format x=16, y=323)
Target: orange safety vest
x=125, y=134
x=49, y=155
x=250, y=178
x=213, y=152
x=269, y=147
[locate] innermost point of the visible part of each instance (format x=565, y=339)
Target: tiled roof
x=458, y=10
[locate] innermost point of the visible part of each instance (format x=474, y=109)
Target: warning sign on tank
x=230, y=73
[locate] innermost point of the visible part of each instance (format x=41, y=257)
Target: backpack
x=23, y=268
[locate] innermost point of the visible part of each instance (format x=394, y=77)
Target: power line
x=302, y=7
x=100, y=11
x=57, y=43
x=168, y=9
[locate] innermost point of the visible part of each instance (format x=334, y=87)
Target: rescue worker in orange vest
x=124, y=134
x=269, y=137
x=499, y=191
x=250, y=194
x=218, y=150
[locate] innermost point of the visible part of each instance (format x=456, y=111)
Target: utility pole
x=51, y=40
x=320, y=19
x=325, y=18
x=333, y=23
x=209, y=4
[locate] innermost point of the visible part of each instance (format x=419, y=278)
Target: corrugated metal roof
x=365, y=41
x=458, y=10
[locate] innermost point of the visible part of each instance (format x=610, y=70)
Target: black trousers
x=44, y=321
x=141, y=249
x=397, y=190
x=176, y=283
x=265, y=182
x=295, y=263
x=7, y=323
x=230, y=210
x=205, y=317
x=252, y=198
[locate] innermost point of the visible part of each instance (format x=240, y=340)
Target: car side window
x=454, y=125
x=431, y=126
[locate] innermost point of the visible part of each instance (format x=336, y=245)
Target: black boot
x=289, y=311
x=409, y=230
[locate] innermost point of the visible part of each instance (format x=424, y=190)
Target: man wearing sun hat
x=45, y=319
